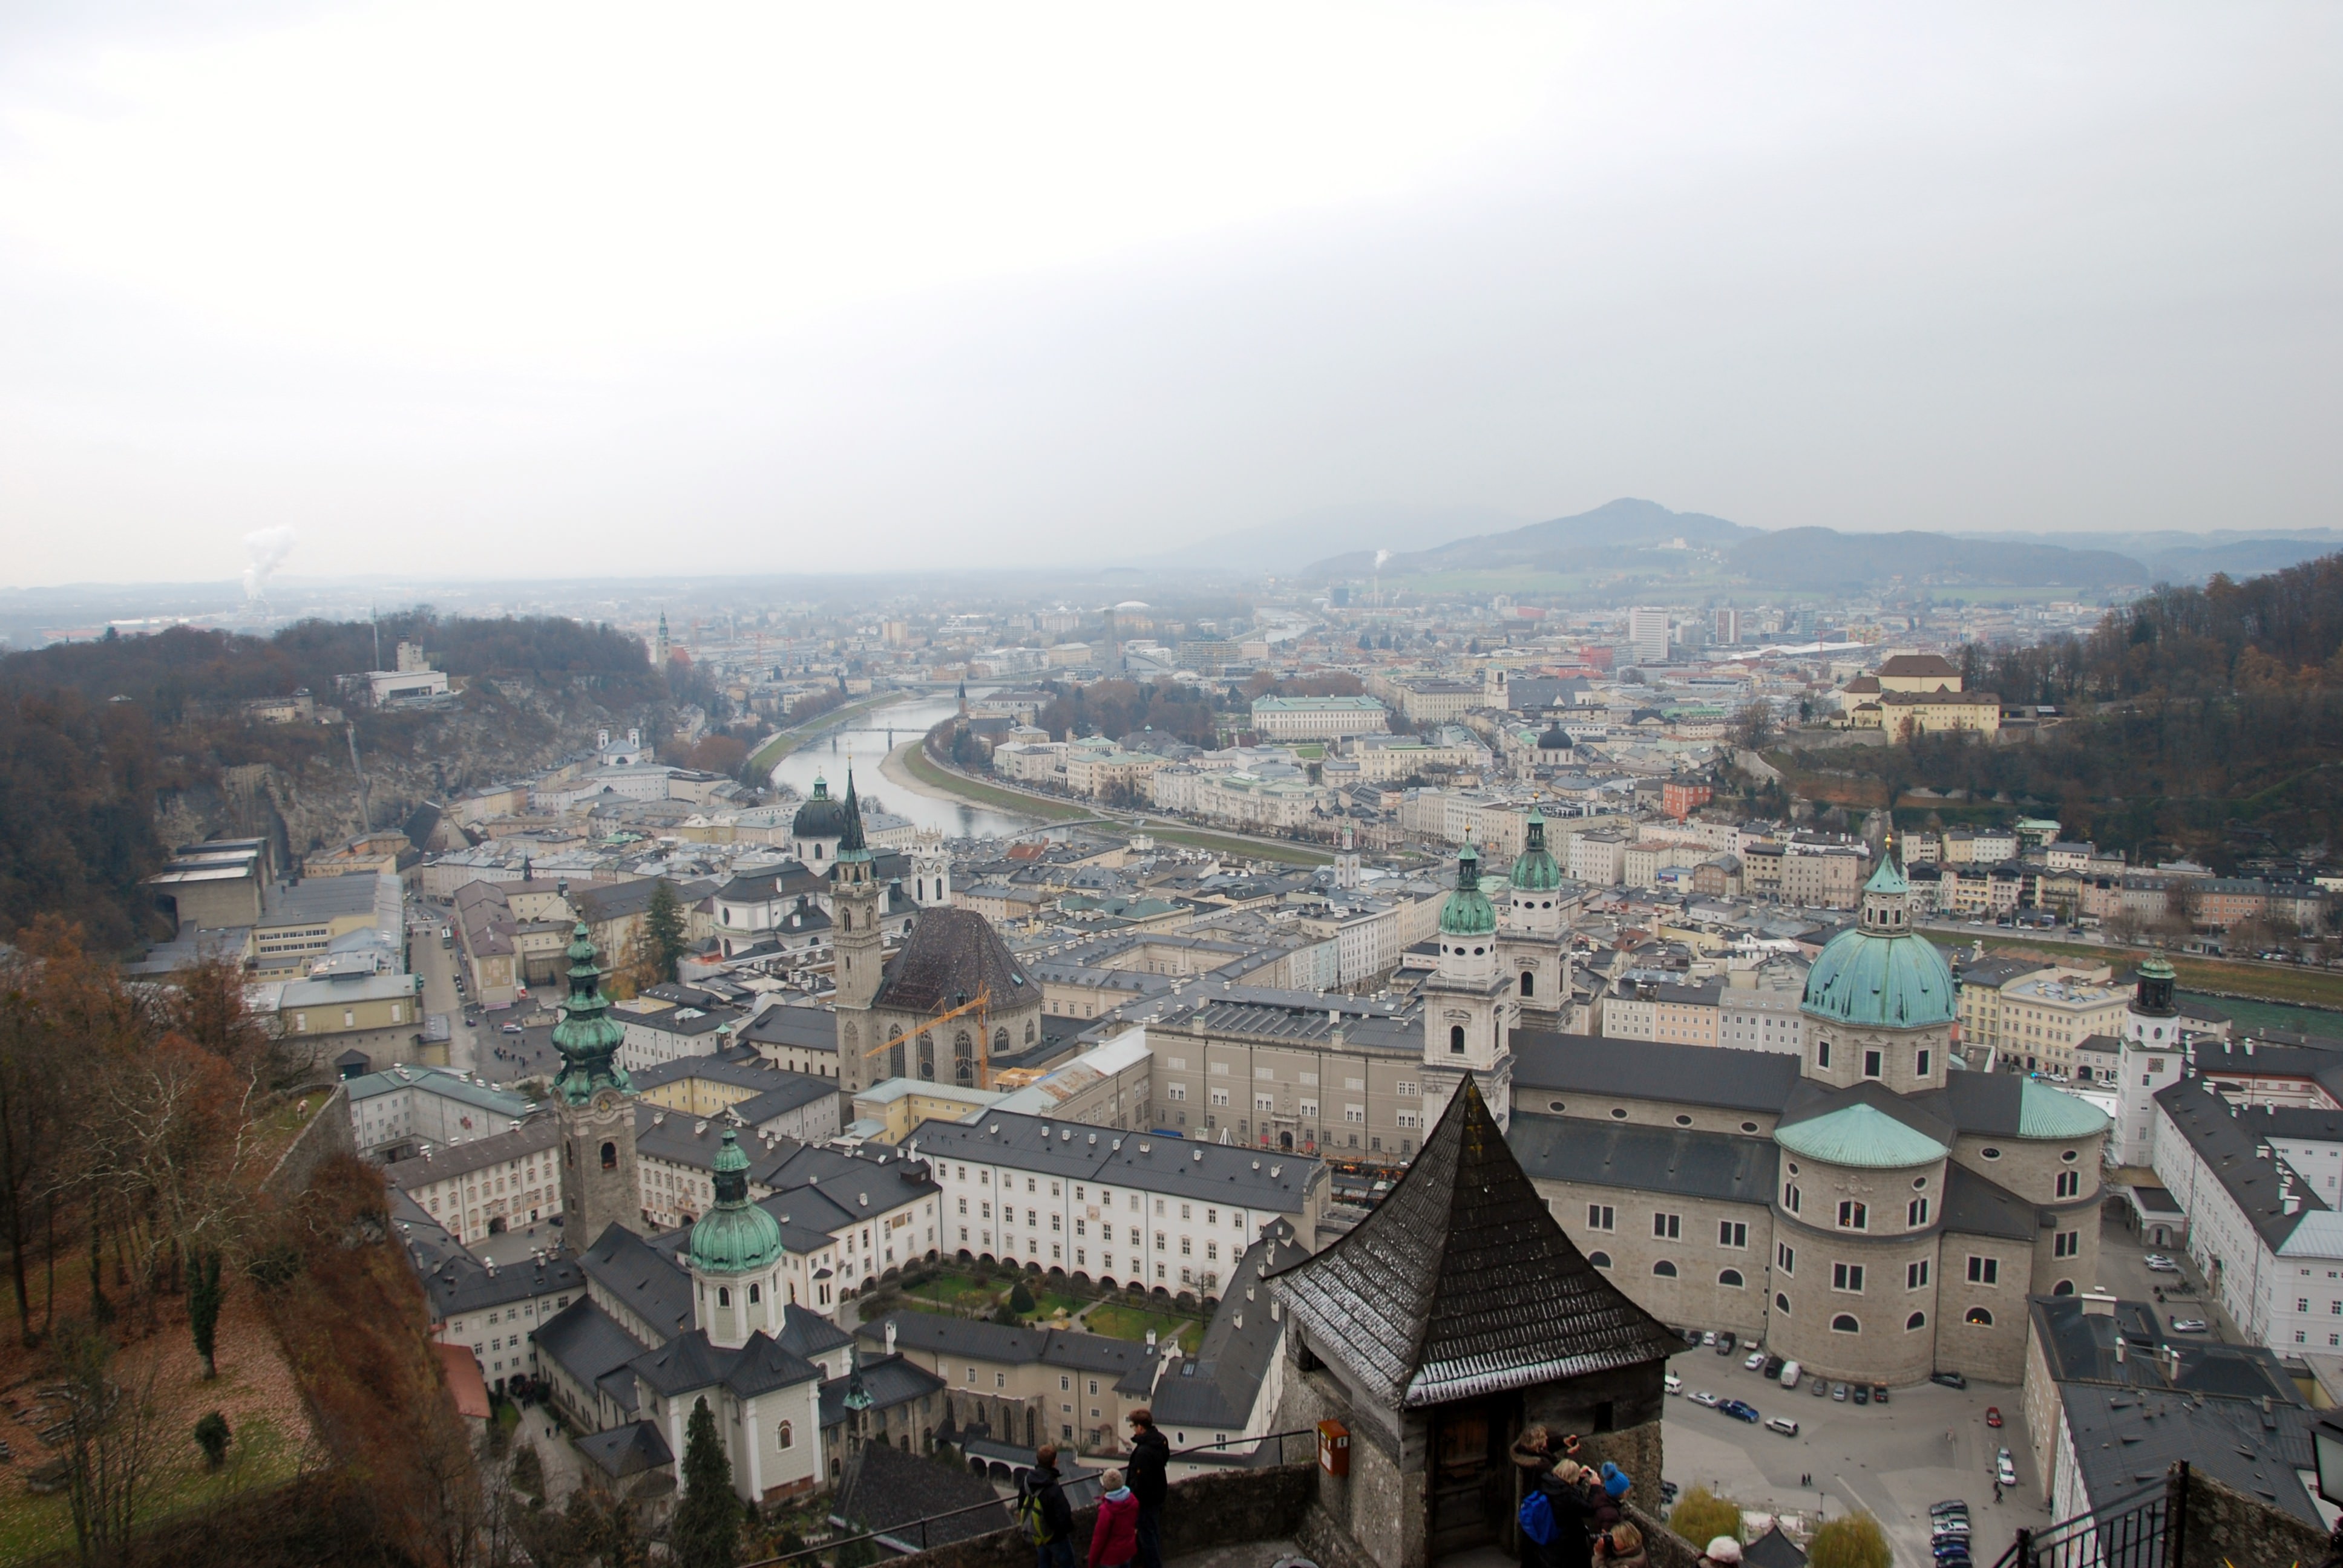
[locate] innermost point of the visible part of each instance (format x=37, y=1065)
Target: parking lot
x=1927, y=1443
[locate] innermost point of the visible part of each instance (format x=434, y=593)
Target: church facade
x=1864, y=1207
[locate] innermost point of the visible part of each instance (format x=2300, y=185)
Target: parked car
x=1951, y=1525
x=1879, y=1393
x=1822, y=1388
x=2189, y=1325
x=1790, y=1371
x=1948, y=1380
x=1752, y=1360
x=1950, y=1505
x=1700, y=1396
x=1667, y=1492
x=1993, y=1415
x=511, y=1029
x=1739, y=1410
x=2160, y=1264
x=1727, y=1343
x=1673, y=1383
x=2005, y=1469
x=1783, y=1425
x=1773, y=1368
x=1691, y=1336
x=1708, y=1336
x=1839, y=1391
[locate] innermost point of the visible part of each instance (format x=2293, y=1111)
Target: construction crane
x=980, y=1006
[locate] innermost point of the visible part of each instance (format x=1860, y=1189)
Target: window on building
x=1668, y=1227
x=1732, y=1233
x=1915, y=1275
x=1978, y=1317
x=1848, y=1277
x=1852, y=1216
x=1844, y=1323
x=1664, y=1269
x=1599, y=1217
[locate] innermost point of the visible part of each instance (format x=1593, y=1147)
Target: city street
x=1893, y=1461
x=436, y=965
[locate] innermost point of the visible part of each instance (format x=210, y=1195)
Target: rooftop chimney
x=890, y=1336
x=2099, y=1303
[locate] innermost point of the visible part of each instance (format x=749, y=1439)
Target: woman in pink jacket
x=1114, y=1537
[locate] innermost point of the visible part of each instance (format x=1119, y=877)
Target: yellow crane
x=979, y=1005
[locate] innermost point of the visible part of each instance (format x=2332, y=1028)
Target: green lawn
x=35, y=1527
x=2269, y=983
x=1117, y=1321
x=958, y=1291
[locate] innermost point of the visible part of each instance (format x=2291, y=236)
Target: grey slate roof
x=624, y=1267
x=1212, y=1173
x=2078, y=1346
x=882, y=1488
x=950, y=955
x=1215, y=1390
x=2126, y=1439
x=627, y=1449
x=973, y=1339
x=2227, y=1144
x=1562, y=1065
x=588, y=1343
x=1463, y=1285
x=890, y=1380
x=803, y=1028
x=1724, y=1166
x=1976, y=1207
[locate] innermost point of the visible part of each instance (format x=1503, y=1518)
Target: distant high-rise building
x=1727, y=630
x=1647, y=634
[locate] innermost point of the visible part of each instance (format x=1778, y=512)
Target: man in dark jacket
x=1057, y=1515
x=1150, y=1453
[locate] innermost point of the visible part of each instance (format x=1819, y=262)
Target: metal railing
x=897, y=1532
x=2133, y=1531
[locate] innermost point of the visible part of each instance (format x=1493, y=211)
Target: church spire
x=849, y=841
x=587, y=1037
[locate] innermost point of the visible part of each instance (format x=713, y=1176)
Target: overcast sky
x=569, y=287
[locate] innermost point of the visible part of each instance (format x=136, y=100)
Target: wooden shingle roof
x=1463, y=1285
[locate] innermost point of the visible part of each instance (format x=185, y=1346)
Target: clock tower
x=593, y=1099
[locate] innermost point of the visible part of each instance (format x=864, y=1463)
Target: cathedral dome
x=1883, y=971
x=736, y=1237
x=1468, y=912
x=1535, y=870
x=821, y=817
x=1553, y=739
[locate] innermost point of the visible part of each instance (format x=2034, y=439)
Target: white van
x=1790, y=1374
x=1784, y=1425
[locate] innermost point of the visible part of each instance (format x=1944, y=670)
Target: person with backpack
x=1150, y=1454
x=1554, y=1518
x=1042, y=1511
x=1114, y=1535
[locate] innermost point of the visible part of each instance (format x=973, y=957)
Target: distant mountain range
x=1647, y=538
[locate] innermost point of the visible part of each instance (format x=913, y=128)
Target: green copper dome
x=2053, y=1113
x=736, y=1237
x=1468, y=912
x=1861, y=1136
x=587, y=1037
x=1535, y=870
x=1883, y=971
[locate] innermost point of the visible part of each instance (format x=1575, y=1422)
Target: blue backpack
x=1537, y=1517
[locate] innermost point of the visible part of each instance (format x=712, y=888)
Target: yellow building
x=1904, y=714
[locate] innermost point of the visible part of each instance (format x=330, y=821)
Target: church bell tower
x=1469, y=1006
x=856, y=901
x=591, y=1098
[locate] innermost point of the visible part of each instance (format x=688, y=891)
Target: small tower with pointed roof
x=591, y=1099
x=1447, y=1320
x=1469, y=1007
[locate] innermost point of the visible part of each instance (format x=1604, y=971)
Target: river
x=868, y=736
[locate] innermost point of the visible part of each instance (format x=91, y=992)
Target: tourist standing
x=1150, y=1453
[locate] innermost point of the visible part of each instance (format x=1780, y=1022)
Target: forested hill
x=2207, y=721
x=111, y=750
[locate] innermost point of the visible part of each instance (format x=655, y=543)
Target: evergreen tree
x=706, y=1532
x=212, y=1437
x=663, y=928
x=204, y=1294
x=1021, y=1298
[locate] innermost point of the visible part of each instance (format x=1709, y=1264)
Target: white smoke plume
x=266, y=550
x=1380, y=556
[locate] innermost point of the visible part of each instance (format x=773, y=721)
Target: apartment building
x=489, y=1185
x=1122, y=1207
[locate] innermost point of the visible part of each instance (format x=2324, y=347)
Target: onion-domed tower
x=591, y=1098
x=1469, y=1009
x=1529, y=934
x=736, y=1257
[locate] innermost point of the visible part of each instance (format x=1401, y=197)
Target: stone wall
x=2221, y=1527
x=329, y=1132
x=1200, y=1513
